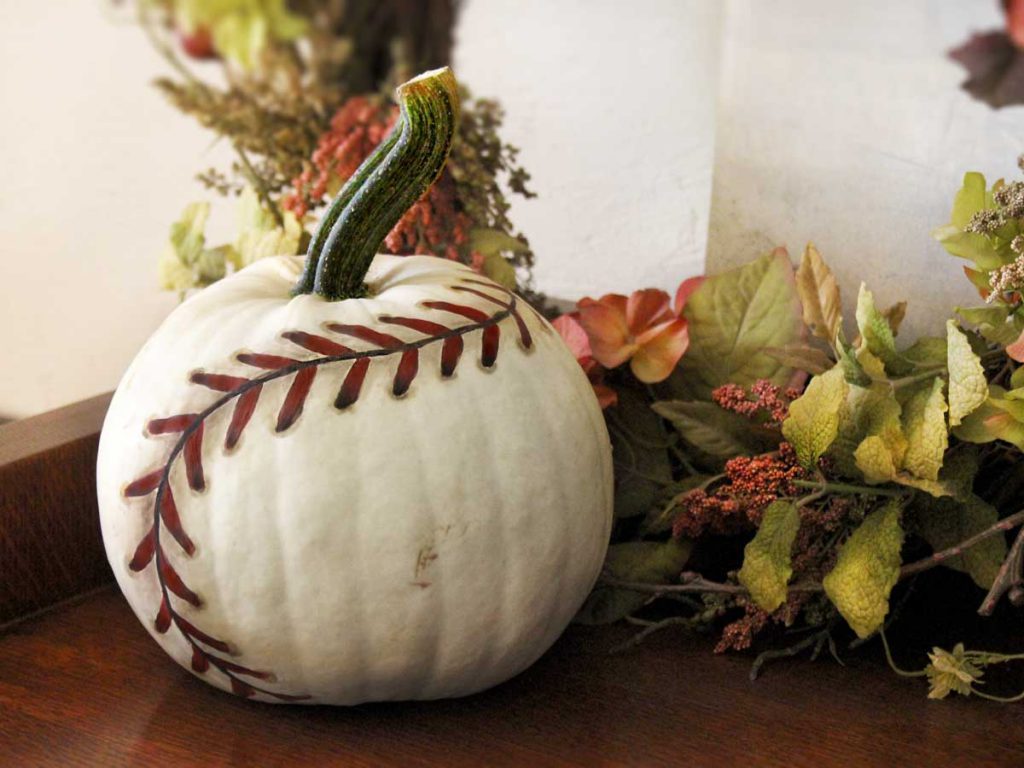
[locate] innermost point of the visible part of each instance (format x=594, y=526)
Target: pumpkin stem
x=383, y=188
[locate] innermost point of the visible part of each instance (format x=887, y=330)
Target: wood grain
x=50, y=544
x=85, y=685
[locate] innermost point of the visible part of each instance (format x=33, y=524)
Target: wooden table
x=82, y=684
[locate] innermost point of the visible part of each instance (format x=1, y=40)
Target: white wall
x=612, y=104
x=843, y=123
x=95, y=166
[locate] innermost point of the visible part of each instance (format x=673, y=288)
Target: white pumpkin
x=401, y=496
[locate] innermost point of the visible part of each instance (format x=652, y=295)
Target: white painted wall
x=843, y=123
x=612, y=104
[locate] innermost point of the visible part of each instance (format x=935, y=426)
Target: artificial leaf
x=486, y=240
x=970, y=198
x=924, y=424
x=813, y=420
x=819, y=295
x=649, y=562
x=875, y=460
x=945, y=522
x=968, y=387
x=927, y=351
x=994, y=322
x=894, y=316
x=766, y=558
x=241, y=29
x=715, y=431
x=995, y=419
x=500, y=270
x=640, y=450
x=852, y=369
x=259, y=235
x=876, y=333
x=866, y=570
x=732, y=317
x=802, y=357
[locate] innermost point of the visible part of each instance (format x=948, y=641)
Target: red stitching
x=245, y=392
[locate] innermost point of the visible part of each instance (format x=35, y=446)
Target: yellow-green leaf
x=968, y=387
x=875, y=460
x=650, y=562
x=766, y=558
x=875, y=332
x=819, y=295
x=259, y=235
x=924, y=424
x=732, y=317
x=970, y=198
x=867, y=568
x=241, y=29
x=945, y=522
x=500, y=270
x=813, y=420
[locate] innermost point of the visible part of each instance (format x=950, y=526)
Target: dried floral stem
x=816, y=641
x=937, y=558
x=1008, y=577
x=650, y=627
x=847, y=488
x=259, y=184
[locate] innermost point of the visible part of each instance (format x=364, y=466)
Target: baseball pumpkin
x=357, y=477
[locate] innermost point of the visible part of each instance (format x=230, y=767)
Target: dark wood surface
x=50, y=545
x=84, y=685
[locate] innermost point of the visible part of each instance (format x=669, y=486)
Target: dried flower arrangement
x=302, y=92
x=772, y=474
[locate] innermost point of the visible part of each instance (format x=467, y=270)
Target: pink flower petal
x=646, y=308
x=1016, y=349
x=660, y=354
x=685, y=290
x=573, y=334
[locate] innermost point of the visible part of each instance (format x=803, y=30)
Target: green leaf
x=241, y=29
x=875, y=460
x=876, y=333
x=968, y=387
x=866, y=570
x=487, y=241
x=813, y=420
x=716, y=431
x=498, y=268
x=924, y=424
x=649, y=562
x=259, y=235
x=927, y=351
x=640, y=450
x=819, y=295
x=766, y=558
x=732, y=317
x=994, y=322
x=945, y=522
x=801, y=356
x=995, y=419
x=970, y=199
x=852, y=369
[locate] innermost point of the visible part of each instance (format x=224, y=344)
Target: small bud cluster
x=1011, y=199
x=765, y=402
x=1008, y=278
x=985, y=221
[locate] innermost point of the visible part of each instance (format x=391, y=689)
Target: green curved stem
x=338, y=205
x=395, y=177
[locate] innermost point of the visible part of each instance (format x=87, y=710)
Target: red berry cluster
x=752, y=483
x=765, y=402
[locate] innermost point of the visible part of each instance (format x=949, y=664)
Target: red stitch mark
x=524, y=332
x=171, y=424
x=174, y=582
x=471, y=313
x=352, y=384
x=202, y=637
x=230, y=666
x=169, y=514
x=163, y=617
x=295, y=399
x=408, y=366
x=417, y=324
x=200, y=663
x=143, y=552
x=489, y=353
x=217, y=381
x=451, y=351
x=318, y=344
x=361, y=332
x=244, y=409
x=266, y=362
x=241, y=689
x=193, y=455
x=145, y=485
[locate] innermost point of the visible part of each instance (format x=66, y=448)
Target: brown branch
x=692, y=582
x=1008, y=577
x=938, y=558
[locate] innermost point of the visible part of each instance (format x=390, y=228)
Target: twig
x=650, y=627
x=259, y=184
x=817, y=640
x=1008, y=577
x=937, y=558
x=695, y=583
x=847, y=488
